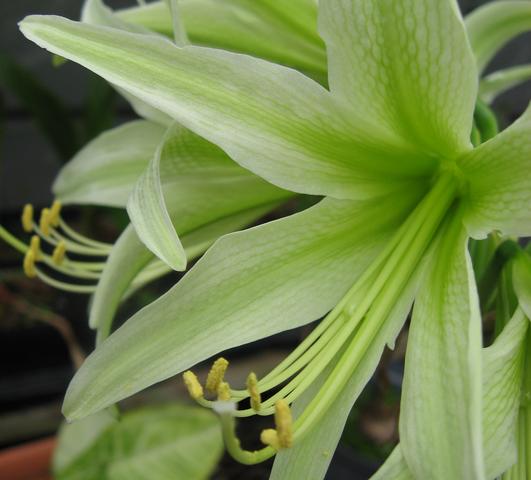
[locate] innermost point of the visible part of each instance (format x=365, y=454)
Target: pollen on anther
x=55, y=211
x=284, y=423
x=254, y=392
x=29, y=264
x=216, y=375
x=224, y=394
x=44, y=222
x=192, y=384
x=27, y=217
x=59, y=253
x=269, y=437
x=35, y=246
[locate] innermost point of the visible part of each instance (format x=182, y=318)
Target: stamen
x=29, y=264
x=192, y=384
x=224, y=392
x=55, y=211
x=44, y=222
x=35, y=246
x=27, y=218
x=284, y=424
x=59, y=253
x=216, y=374
x=269, y=437
x=254, y=392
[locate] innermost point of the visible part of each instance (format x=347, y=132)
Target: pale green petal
x=193, y=182
x=498, y=173
x=502, y=381
x=283, y=33
x=522, y=281
x=394, y=468
x=440, y=417
x=128, y=267
x=503, y=364
x=404, y=64
x=95, y=12
x=106, y=169
x=179, y=33
x=249, y=285
x=310, y=457
x=270, y=119
x=499, y=82
x=491, y=26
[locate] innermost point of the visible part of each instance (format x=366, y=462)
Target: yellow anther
x=27, y=217
x=59, y=253
x=44, y=222
x=35, y=246
x=269, y=437
x=216, y=375
x=192, y=384
x=254, y=393
x=55, y=211
x=29, y=264
x=284, y=424
x=224, y=394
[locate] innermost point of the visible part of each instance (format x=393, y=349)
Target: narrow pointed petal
x=440, y=418
x=499, y=196
x=194, y=183
x=491, y=26
x=502, y=382
x=310, y=458
x=270, y=119
x=127, y=267
x=404, y=64
x=105, y=171
x=249, y=285
x=499, y=82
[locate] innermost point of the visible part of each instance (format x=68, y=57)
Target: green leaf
x=440, y=418
x=491, y=26
x=499, y=184
x=272, y=120
x=105, y=171
x=285, y=34
x=249, y=285
x=522, y=281
x=502, y=382
x=399, y=64
x=500, y=81
x=310, y=457
x=195, y=183
x=76, y=438
x=171, y=442
x=46, y=109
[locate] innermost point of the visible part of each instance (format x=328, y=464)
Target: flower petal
x=272, y=120
x=499, y=196
x=440, y=418
x=106, y=169
x=249, y=285
x=310, y=457
x=522, y=281
x=195, y=183
x=496, y=83
x=502, y=383
x=491, y=26
x=404, y=64
x=286, y=35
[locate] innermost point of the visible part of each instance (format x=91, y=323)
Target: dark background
x=34, y=360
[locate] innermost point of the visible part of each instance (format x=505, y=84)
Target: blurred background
x=46, y=114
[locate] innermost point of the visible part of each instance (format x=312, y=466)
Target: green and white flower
x=388, y=146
